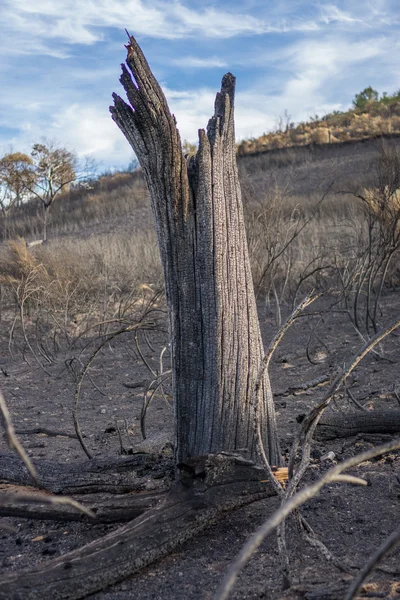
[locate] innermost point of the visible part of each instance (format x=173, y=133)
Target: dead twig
x=46, y=499
x=257, y=400
x=12, y=439
x=45, y=431
x=310, y=422
x=142, y=355
x=158, y=382
x=308, y=385
x=355, y=401
x=257, y=403
x=333, y=475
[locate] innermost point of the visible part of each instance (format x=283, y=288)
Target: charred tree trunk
x=215, y=335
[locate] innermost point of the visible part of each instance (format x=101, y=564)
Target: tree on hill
x=17, y=177
x=362, y=99
x=55, y=169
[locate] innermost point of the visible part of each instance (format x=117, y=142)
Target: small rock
x=328, y=456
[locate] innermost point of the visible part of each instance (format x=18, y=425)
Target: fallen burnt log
x=339, y=425
x=26, y=503
x=116, y=476
x=209, y=487
x=46, y=431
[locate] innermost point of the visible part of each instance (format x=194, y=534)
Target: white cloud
x=308, y=69
x=330, y=13
x=192, y=109
x=339, y=48
x=89, y=129
x=316, y=65
x=84, y=126
x=47, y=25
x=199, y=62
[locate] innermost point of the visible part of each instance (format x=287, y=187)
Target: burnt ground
x=352, y=521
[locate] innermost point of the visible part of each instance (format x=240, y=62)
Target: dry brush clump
x=372, y=266
x=53, y=293
x=297, y=242
x=45, y=294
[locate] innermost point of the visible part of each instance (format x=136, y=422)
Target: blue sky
x=60, y=62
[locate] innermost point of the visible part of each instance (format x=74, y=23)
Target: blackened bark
x=217, y=485
x=91, y=476
x=341, y=425
x=215, y=335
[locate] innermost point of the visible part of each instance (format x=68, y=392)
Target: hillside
x=371, y=116
x=306, y=226
x=120, y=201
x=304, y=170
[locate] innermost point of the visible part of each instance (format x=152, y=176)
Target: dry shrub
x=384, y=204
x=18, y=263
x=299, y=138
x=295, y=242
x=63, y=288
x=46, y=287
x=279, y=251
x=373, y=265
x=320, y=135
x=124, y=259
x=382, y=211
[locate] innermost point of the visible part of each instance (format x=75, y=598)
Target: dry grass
x=298, y=242
x=102, y=201
x=102, y=251
x=55, y=293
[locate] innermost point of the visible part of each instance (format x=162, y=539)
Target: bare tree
x=55, y=169
x=378, y=241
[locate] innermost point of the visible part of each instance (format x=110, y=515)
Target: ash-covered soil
x=352, y=521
